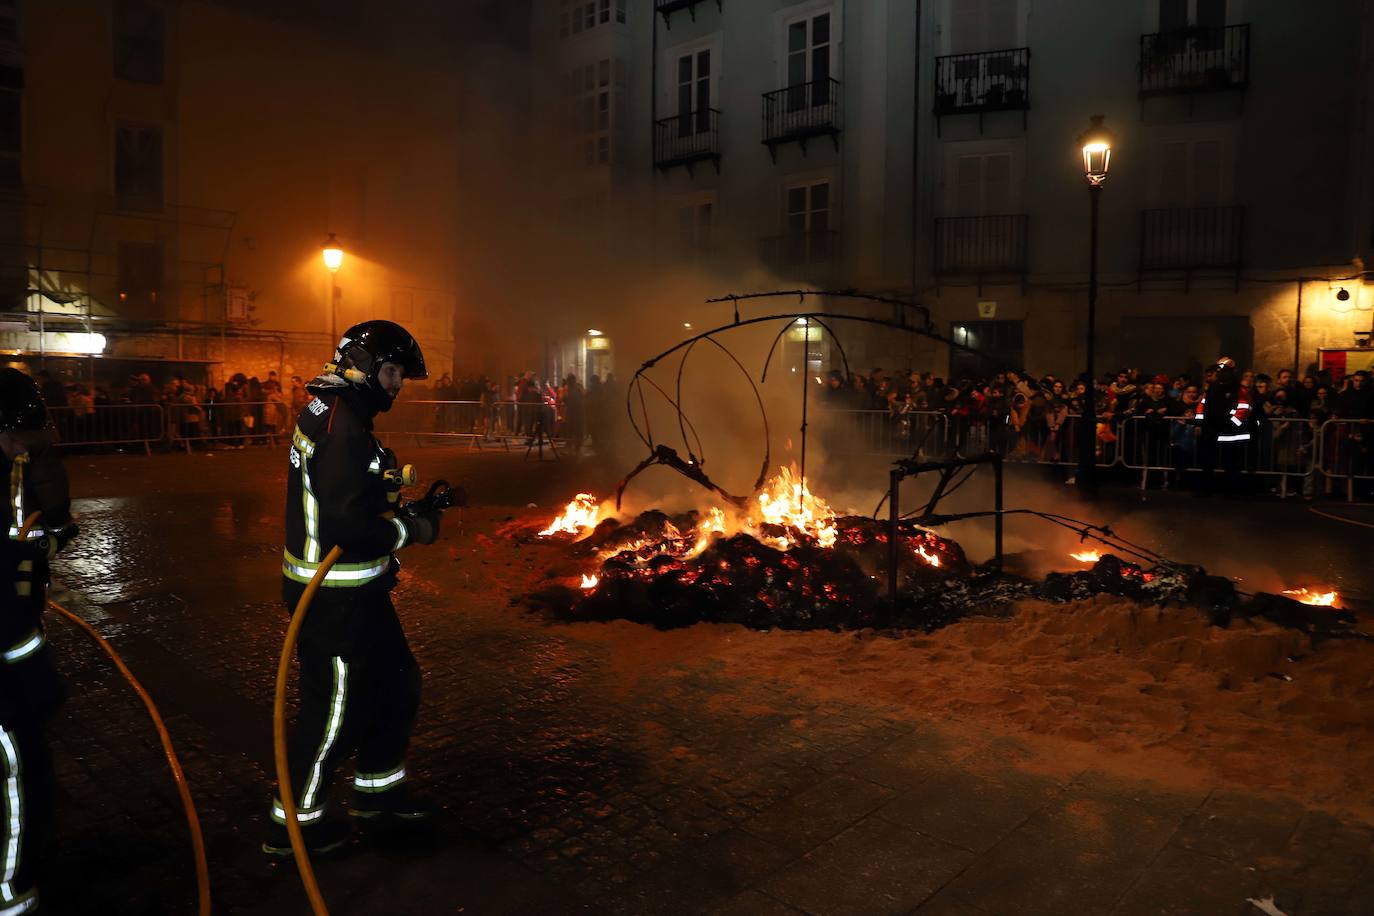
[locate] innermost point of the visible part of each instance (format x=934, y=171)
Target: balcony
x=982, y=82
x=808, y=254
x=981, y=245
x=1195, y=60
x=799, y=113
x=666, y=8
x=1192, y=238
x=687, y=139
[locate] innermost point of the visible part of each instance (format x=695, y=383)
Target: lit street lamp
x=1096, y=143
x=333, y=254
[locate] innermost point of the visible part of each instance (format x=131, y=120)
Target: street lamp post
x=1096, y=143
x=333, y=254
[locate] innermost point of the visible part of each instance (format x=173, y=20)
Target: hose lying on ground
x=288, y=800
x=192, y=820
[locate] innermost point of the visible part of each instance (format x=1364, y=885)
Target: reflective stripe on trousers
x=24, y=648
x=13, y=828
x=379, y=782
x=337, y=707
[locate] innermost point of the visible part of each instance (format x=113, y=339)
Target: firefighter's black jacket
x=336, y=494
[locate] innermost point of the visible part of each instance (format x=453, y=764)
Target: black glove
x=422, y=527
x=53, y=540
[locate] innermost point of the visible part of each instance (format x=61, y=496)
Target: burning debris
x=787, y=560
x=1318, y=599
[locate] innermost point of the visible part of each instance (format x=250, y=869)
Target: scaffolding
x=74, y=265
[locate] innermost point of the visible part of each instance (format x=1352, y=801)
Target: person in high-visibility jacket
x=359, y=683
x=1224, y=417
x=30, y=687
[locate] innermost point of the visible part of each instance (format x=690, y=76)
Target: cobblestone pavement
x=566, y=787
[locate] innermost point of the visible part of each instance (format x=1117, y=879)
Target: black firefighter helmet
x=365, y=347
x=21, y=403
x=1225, y=369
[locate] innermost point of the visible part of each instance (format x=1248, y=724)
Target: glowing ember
x=1320, y=599
x=932, y=558
x=1087, y=556
x=581, y=514
x=786, y=501
x=589, y=582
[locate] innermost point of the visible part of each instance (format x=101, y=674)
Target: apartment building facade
x=171, y=169
x=930, y=148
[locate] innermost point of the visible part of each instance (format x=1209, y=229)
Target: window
x=694, y=223
x=1180, y=16
x=982, y=184
x=1192, y=173
x=138, y=167
x=595, y=112
x=808, y=208
x=1177, y=15
x=808, y=61
x=694, y=92
x=808, y=235
x=139, y=273
x=982, y=25
x=138, y=41
x=11, y=139
x=580, y=16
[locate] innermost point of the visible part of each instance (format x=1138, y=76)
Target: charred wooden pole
x=894, y=514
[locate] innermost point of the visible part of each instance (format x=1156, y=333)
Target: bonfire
x=787, y=559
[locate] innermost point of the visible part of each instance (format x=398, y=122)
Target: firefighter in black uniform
x=30, y=687
x=1224, y=415
x=359, y=683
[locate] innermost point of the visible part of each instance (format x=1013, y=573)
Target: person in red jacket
x=1224, y=417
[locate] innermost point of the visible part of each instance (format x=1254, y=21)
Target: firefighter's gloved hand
x=422, y=527
x=54, y=540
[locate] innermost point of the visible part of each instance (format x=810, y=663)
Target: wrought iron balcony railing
x=1192, y=238
x=687, y=138
x=986, y=81
x=666, y=8
x=817, y=249
x=982, y=244
x=801, y=112
x=1195, y=60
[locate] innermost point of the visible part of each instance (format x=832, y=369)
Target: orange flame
x=787, y=501
x=712, y=524
x=1087, y=556
x=589, y=582
x=582, y=513
x=1320, y=599
x=932, y=558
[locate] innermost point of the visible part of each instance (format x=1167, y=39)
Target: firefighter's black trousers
x=360, y=690
x=26, y=794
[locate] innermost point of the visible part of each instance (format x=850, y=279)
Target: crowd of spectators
x=1022, y=416
x=522, y=406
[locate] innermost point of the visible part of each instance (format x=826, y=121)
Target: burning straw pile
x=789, y=561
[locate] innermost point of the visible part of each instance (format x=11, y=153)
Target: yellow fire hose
x=192, y=821
x=288, y=800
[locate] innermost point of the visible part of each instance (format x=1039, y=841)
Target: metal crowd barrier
x=108, y=424
x=233, y=423
x=1298, y=454
x=1343, y=452
x=935, y=434
x=501, y=423
x=1285, y=449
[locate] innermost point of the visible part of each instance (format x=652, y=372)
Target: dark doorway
x=999, y=345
